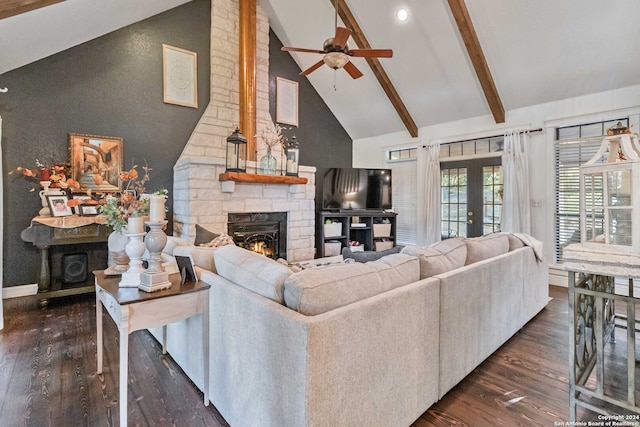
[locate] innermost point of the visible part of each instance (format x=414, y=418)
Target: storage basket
x=381, y=230
x=333, y=229
x=383, y=246
x=332, y=248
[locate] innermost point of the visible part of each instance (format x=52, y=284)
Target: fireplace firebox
x=262, y=232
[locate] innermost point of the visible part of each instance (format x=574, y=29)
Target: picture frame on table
x=58, y=205
x=186, y=268
x=88, y=210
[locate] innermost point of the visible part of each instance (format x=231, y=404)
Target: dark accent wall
x=323, y=141
x=110, y=86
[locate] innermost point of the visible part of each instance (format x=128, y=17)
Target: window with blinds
x=405, y=189
x=574, y=146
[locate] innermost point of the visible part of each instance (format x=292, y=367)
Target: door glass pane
x=454, y=202
x=492, y=198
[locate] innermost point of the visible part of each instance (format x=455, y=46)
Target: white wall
x=370, y=152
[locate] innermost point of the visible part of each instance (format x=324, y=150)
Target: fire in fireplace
x=262, y=232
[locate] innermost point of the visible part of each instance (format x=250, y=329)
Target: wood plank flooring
x=48, y=375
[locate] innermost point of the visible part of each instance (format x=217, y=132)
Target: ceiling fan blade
x=312, y=68
x=371, y=53
x=341, y=37
x=352, y=70
x=299, y=49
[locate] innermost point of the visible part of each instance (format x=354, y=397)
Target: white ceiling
x=42, y=32
x=538, y=51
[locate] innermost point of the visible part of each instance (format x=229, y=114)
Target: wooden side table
x=132, y=310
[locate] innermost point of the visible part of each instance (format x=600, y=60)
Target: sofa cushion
x=366, y=256
x=488, y=246
x=252, y=271
x=321, y=289
x=514, y=242
x=203, y=235
x=440, y=257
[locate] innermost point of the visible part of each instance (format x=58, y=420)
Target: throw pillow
x=366, y=256
x=440, y=257
x=203, y=235
x=485, y=247
x=221, y=240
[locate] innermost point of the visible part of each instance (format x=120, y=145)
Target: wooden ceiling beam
x=358, y=36
x=15, y=7
x=470, y=39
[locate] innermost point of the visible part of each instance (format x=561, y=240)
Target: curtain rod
x=491, y=136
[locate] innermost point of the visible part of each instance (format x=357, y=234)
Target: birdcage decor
x=610, y=196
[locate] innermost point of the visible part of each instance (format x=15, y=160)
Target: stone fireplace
x=198, y=196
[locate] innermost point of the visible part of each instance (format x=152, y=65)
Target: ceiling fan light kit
x=336, y=60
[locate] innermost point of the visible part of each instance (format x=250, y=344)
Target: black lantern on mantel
x=236, y=152
x=293, y=157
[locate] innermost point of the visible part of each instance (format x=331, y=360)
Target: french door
x=471, y=197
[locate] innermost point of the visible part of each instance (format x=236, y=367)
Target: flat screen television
x=356, y=189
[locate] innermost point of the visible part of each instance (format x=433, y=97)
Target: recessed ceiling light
x=402, y=15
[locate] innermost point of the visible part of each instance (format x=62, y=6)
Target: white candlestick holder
x=155, y=278
x=135, y=250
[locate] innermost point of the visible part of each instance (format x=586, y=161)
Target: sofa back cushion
x=488, y=246
x=252, y=271
x=440, y=257
x=322, y=289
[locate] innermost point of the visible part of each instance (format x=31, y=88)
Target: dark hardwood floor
x=48, y=375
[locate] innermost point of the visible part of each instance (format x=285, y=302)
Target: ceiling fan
x=336, y=52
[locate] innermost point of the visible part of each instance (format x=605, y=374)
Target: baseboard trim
x=19, y=291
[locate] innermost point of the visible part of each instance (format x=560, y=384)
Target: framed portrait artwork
x=96, y=161
x=180, y=76
x=286, y=101
x=88, y=210
x=58, y=205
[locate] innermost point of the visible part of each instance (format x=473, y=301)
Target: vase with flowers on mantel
x=268, y=163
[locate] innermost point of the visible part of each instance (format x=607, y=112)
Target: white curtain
x=516, y=208
x=429, y=227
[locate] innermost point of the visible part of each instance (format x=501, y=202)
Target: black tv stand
x=355, y=225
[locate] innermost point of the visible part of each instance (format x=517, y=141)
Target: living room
x=112, y=86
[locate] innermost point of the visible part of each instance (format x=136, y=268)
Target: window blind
x=405, y=190
x=569, y=155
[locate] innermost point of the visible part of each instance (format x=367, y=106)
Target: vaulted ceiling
x=534, y=52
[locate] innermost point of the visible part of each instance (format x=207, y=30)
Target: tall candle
x=156, y=208
x=135, y=225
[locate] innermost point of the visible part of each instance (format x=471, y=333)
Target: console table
x=45, y=232
x=592, y=321
x=133, y=310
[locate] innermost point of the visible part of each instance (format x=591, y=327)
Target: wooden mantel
x=261, y=179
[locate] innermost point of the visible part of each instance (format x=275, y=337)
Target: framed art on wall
x=180, y=76
x=96, y=161
x=286, y=101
